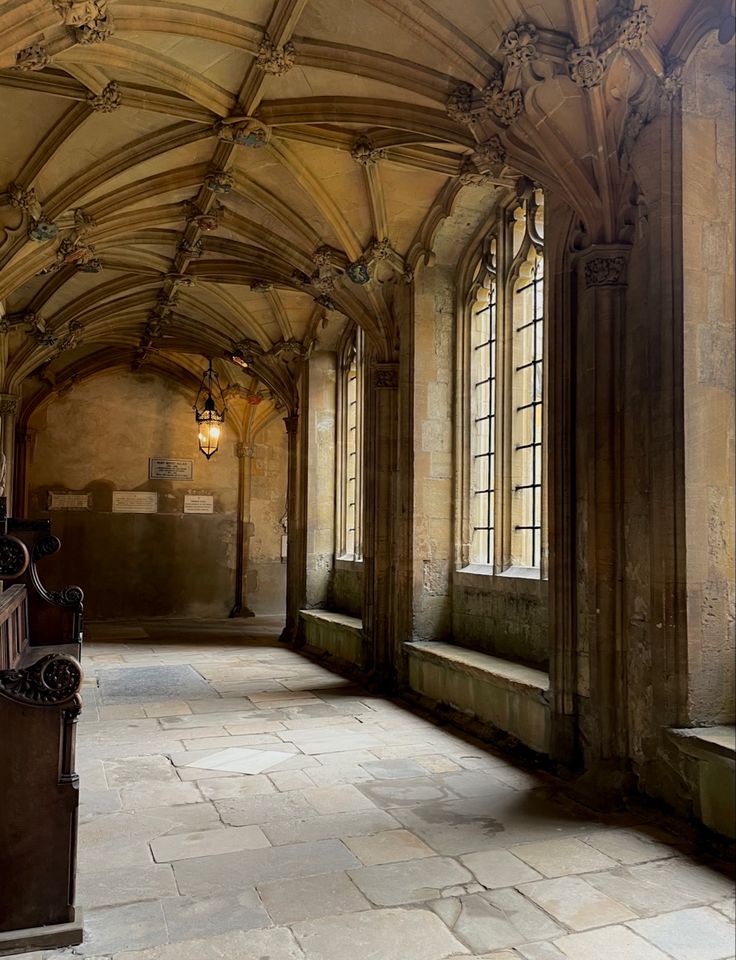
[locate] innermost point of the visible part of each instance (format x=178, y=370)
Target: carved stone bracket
x=273, y=60
x=494, y=102
x=108, y=100
x=54, y=679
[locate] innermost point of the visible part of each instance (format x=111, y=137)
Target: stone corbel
x=40, y=228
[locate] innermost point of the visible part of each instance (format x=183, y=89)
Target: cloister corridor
x=364, y=831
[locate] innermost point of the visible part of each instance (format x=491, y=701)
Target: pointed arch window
x=350, y=421
x=504, y=525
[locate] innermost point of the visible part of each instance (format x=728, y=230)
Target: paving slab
x=385, y=934
x=391, y=846
x=394, y=793
x=139, y=685
x=559, y=858
x=341, y=798
x=335, y=825
x=124, y=884
x=208, y=875
x=244, y=811
x=391, y=884
x=308, y=898
x=278, y=944
x=618, y=940
x=575, y=903
x=207, y=843
x=487, y=926
x=697, y=934
x=188, y=918
x=498, y=868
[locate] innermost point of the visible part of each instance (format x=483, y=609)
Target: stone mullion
x=602, y=510
x=380, y=510
x=503, y=497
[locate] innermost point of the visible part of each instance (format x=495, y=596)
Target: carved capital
x=52, y=680
x=9, y=404
x=519, y=44
x=605, y=268
x=386, y=376
x=670, y=83
x=273, y=60
x=108, y=100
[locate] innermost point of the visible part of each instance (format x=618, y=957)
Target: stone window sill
x=348, y=563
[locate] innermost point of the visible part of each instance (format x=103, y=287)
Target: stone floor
x=365, y=832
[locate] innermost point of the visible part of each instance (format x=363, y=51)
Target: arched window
x=350, y=425
x=505, y=399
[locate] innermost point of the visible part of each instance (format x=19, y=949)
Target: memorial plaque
x=195, y=503
x=65, y=500
x=160, y=468
x=134, y=501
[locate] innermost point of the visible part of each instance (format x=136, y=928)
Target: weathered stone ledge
x=508, y=695
x=335, y=634
x=710, y=755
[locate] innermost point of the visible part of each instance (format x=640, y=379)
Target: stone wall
x=709, y=352
x=266, y=568
x=98, y=439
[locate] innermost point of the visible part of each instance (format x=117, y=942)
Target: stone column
x=243, y=533
x=296, y=543
x=601, y=517
x=9, y=405
x=381, y=520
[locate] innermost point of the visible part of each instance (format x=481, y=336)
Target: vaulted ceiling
x=235, y=177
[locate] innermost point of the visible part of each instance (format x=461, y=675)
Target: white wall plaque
x=195, y=503
x=134, y=501
x=161, y=468
x=68, y=501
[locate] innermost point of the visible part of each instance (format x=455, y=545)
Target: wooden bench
x=40, y=679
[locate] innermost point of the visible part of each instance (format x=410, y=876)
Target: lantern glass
x=209, y=414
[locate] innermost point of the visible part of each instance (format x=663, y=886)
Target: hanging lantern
x=209, y=412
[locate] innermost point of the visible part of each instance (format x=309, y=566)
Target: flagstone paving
x=360, y=831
